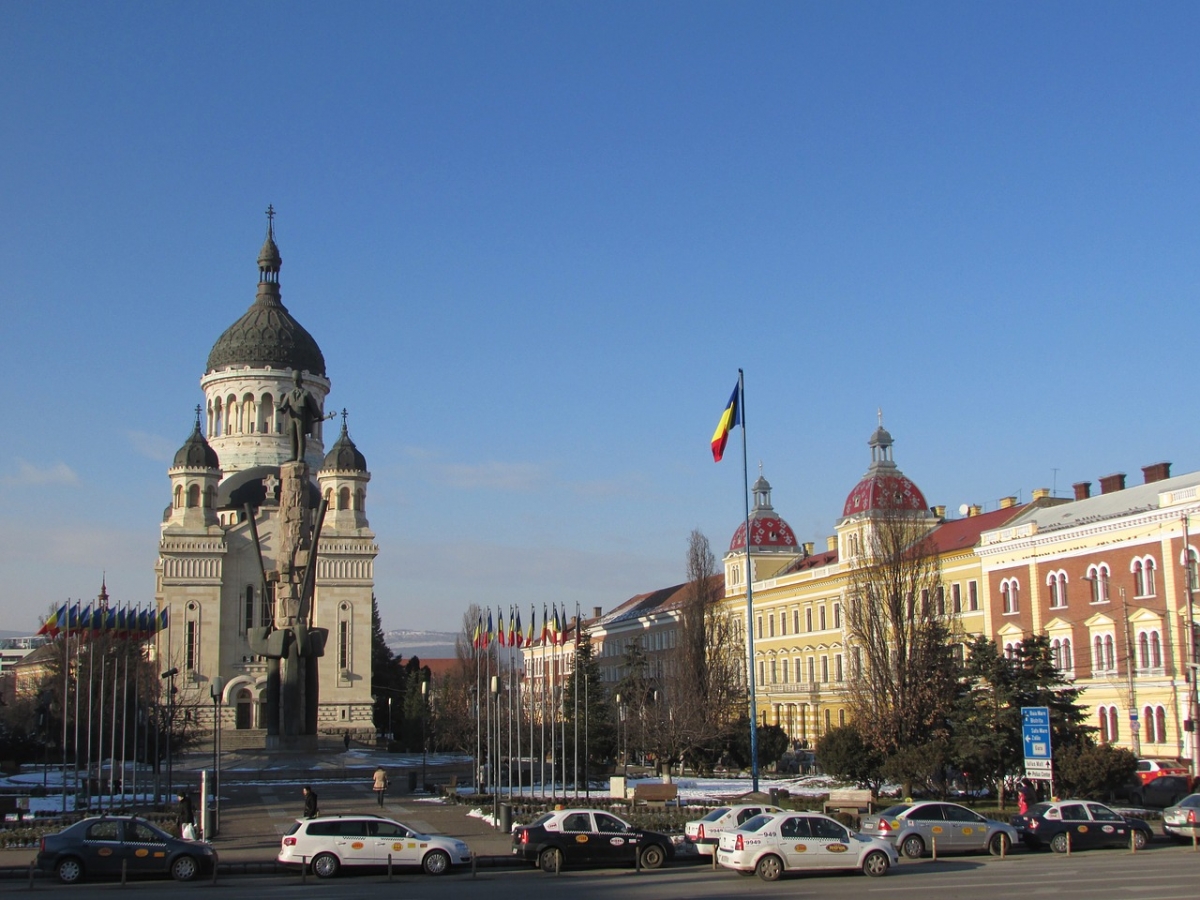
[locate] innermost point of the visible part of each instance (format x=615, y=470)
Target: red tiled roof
x=960, y=534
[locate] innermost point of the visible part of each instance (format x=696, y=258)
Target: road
x=1160, y=873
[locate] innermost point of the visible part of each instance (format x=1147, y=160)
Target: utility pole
x=1193, y=668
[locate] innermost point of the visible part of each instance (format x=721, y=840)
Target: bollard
x=1195, y=839
x=714, y=855
x=1068, y=843
x=389, y=867
x=31, y=875
x=1132, y=840
x=124, y=865
x=558, y=863
x=216, y=861
x=933, y=842
x=1003, y=847
x=637, y=862
x=303, y=869
x=473, y=858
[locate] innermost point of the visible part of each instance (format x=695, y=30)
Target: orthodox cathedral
x=236, y=570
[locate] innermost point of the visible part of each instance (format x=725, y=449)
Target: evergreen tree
x=595, y=723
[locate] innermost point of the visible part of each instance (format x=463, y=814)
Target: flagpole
x=575, y=698
x=66, y=705
x=749, y=592
x=478, y=719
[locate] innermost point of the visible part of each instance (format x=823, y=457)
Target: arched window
x=344, y=498
x=1097, y=576
x=244, y=706
x=841, y=717
x=1057, y=582
x=1143, y=576
x=1114, y=731
x=1010, y=596
x=210, y=497
x=1143, y=650
x=1110, y=655
x=360, y=500
x=179, y=496
x=1102, y=718
x=193, y=496
x=1160, y=724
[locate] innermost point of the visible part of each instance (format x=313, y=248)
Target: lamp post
x=391, y=734
x=169, y=676
x=1193, y=666
x=424, y=729
x=621, y=758
x=216, y=689
x=1130, y=660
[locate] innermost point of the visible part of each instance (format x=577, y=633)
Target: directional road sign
x=1035, y=732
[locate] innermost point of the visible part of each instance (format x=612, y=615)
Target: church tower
x=227, y=503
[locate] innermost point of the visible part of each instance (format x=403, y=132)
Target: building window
x=821, y=613
x=762, y=672
x=1009, y=595
x=248, y=610
x=824, y=669
x=837, y=615
x=795, y=621
x=1104, y=653
x=785, y=671
x=1060, y=654
x=759, y=627
x=1102, y=722
x=191, y=647
x=1143, y=577
x=940, y=594
x=808, y=619
x=1057, y=582
x=774, y=671
x=812, y=670
x=1097, y=576
x=267, y=607
x=771, y=625
x=837, y=667
x=973, y=596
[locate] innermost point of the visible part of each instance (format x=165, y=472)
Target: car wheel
x=769, y=868
x=550, y=859
x=876, y=864
x=436, y=862
x=913, y=847
x=1000, y=844
x=1139, y=839
x=69, y=870
x=184, y=868
x=325, y=865
x=653, y=857
x=1059, y=842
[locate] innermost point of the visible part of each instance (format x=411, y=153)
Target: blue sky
x=535, y=242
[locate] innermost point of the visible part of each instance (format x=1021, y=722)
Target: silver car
x=781, y=842
x=1182, y=821
x=915, y=827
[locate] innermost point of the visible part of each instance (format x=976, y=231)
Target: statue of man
x=302, y=410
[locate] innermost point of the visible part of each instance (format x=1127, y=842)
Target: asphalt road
x=1160, y=873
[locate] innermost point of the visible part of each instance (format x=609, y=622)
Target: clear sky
x=536, y=241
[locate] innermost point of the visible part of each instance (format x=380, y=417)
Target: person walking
x=1025, y=797
x=380, y=785
x=310, y=802
x=346, y=740
x=185, y=817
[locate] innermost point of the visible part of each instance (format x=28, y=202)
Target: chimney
x=939, y=511
x=1110, y=484
x=1083, y=489
x=1008, y=502
x=1157, y=472
x=597, y=612
x=808, y=548
x=831, y=542
x=974, y=511
x=1041, y=493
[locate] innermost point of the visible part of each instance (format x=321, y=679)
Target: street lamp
x=1102, y=592
x=216, y=689
x=169, y=676
x=620, y=721
x=424, y=737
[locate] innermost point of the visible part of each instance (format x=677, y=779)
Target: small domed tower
x=195, y=475
x=343, y=480
x=772, y=542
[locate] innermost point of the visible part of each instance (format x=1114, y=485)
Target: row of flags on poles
x=553, y=631
x=122, y=622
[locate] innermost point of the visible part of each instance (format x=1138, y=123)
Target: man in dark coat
x=310, y=802
x=184, y=814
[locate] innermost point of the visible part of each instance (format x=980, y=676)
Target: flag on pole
x=520, y=632
x=491, y=632
x=555, y=632
x=512, y=634
x=163, y=619
x=531, y=637
x=50, y=626
x=502, y=636
x=730, y=418
x=477, y=637
x=545, y=624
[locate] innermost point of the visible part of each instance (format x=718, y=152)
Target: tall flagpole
x=749, y=593
x=575, y=698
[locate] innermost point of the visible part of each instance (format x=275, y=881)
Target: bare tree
x=708, y=690
x=901, y=683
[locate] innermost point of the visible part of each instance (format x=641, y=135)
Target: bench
x=654, y=794
x=854, y=802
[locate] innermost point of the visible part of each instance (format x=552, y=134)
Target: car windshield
x=892, y=811
x=756, y=823
x=716, y=814
x=1038, y=809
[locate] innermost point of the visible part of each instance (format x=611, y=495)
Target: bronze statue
x=301, y=408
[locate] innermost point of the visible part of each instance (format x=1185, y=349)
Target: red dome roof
x=884, y=492
x=764, y=532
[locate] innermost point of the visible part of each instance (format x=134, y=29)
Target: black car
x=1079, y=825
x=1161, y=792
x=588, y=837
x=100, y=845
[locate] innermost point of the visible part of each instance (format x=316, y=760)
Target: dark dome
x=248, y=486
x=267, y=335
x=196, y=453
x=344, y=456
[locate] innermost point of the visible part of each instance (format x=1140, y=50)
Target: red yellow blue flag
x=730, y=419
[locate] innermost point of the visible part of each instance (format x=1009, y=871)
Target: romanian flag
x=545, y=624
x=531, y=637
x=556, y=629
x=477, y=637
x=731, y=418
x=512, y=629
x=502, y=637
x=520, y=634
x=491, y=632
x=50, y=626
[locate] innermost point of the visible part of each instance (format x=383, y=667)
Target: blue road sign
x=1035, y=731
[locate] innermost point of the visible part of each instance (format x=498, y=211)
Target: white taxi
x=705, y=833
x=770, y=845
x=326, y=844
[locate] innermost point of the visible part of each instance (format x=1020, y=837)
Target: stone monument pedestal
x=298, y=743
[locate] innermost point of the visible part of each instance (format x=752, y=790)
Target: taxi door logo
x=1083, y=829
x=1107, y=829
x=104, y=851
x=357, y=845
x=140, y=852
x=838, y=848
x=581, y=838
x=399, y=845
x=937, y=829
x=801, y=848
x=967, y=830
x=616, y=842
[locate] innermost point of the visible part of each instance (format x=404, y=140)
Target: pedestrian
x=185, y=817
x=380, y=785
x=346, y=740
x=1025, y=797
x=310, y=803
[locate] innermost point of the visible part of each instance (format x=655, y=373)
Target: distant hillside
x=423, y=644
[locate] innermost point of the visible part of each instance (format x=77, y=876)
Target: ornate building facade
x=226, y=504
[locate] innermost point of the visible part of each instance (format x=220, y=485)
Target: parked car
x=1150, y=769
x=100, y=845
x=913, y=828
x=569, y=837
x=1079, y=825
x=1164, y=790
x=772, y=844
x=705, y=833
x=1182, y=821
x=328, y=843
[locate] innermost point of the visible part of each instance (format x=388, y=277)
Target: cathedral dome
x=267, y=335
x=196, y=452
x=344, y=456
x=767, y=530
x=884, y=488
